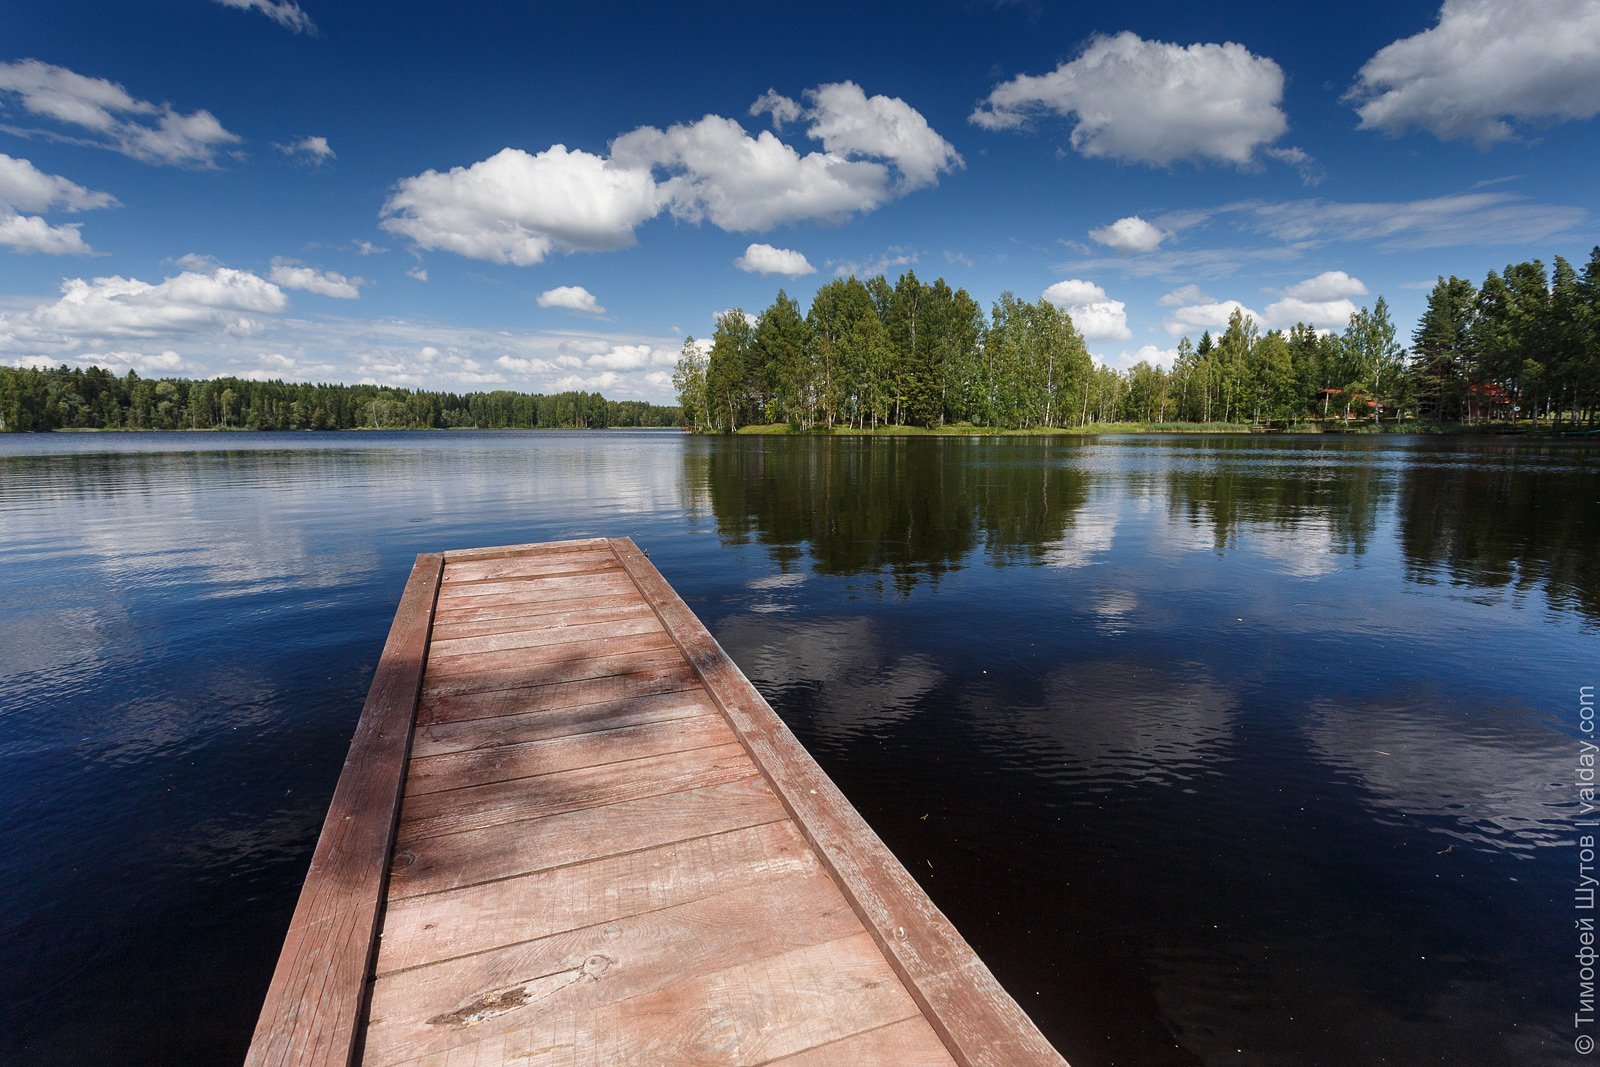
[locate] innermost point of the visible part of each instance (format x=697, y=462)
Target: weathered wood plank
x=313, y=1006
x=444, y=649
x=503, y=763
x=749, y=1014
x=479, y=806
x=644, y=638
x=430, y=1009
x=475, y=734
x=429, y=865
x=618, y=657
x=605, y=592
x=978, y=1021
x=549, y=590
x=498, y=622
x=542, y=548
x=544, y=585
x=673, y=676
x=460, y=922
x=908, y=1043
x=457, y=574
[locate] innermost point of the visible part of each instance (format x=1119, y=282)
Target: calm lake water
x=1219, y=750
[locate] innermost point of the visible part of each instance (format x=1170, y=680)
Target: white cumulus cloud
x=765, y=259
x=30, y=233
x=285, y=13
x=293, y=275
x=1323, y=302
x=1096, y=316
x=1329, y=285
x=152, y=133
x=1323, y=314
x=26, y=188
x=1483, y=66
x=1140, y=101
x=850, y=123
x=571, y=297
x=1214, y=316
x=1188, y=294
x=517, y=208
x=1154, y=355
x=127, y=307
x=1131, y=234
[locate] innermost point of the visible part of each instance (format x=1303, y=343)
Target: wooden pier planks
x=609, y=850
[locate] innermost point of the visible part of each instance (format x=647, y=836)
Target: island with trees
x=1521, y=348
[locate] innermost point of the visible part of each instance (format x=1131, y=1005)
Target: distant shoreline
x=1126, y=429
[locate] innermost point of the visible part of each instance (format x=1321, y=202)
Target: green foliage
x=66, y=398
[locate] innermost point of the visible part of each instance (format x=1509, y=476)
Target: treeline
x=69, y=398
x=1524, y=343
x=868, y=354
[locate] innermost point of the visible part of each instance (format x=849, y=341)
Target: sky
x=540, y=197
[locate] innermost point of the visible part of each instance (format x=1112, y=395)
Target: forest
x=68, y=398
x=1522, y=346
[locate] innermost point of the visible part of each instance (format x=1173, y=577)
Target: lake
x=1224, y=750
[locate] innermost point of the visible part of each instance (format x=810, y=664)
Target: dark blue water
x=1219, y=750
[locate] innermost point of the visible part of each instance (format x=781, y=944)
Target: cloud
x=782, y=109
x=765, y=259
x=159, y=363
x=850, y=123
x=1329, y=285
x=1299, y=226
x=285, y=13
x=1324, y=314
x=1188, y=294
x=624, y=357
x=312, y=151
x=1437, y=222
x=1131, y=234
x=717, y=172
x=1483, y=66
x=331, y=347
x=1300, y=160
x=127, y=307
x=1097, y=317
x=518, y=208
x=1139, y=101
x=151, y=133
x=1323, y=302
x=30, y=233
x=892, y=257
x=26, y=188
x=419, y=273
x=571, y=297
x=1214, y=316
x=293, y=275
x=1154, y=355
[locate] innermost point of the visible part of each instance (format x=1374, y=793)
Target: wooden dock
x=569, y=831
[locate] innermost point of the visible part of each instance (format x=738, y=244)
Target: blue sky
x=540, y=196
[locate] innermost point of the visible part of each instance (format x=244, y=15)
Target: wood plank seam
x=711, y=891
x=561, y=770
x=599, y=855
